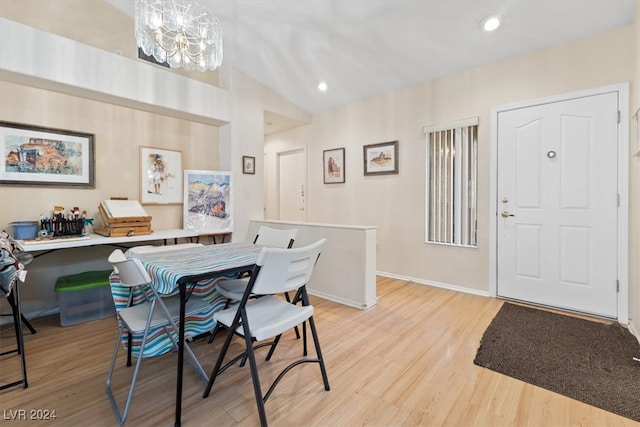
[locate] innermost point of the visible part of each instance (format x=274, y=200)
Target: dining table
x=182, y=269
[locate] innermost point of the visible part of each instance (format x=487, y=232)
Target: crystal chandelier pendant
x=180, y=33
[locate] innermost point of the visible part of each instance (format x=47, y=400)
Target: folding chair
x=233, y=289
x=146, y=312
x=277, y=271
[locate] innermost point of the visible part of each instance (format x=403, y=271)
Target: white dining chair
x=233, y=289
x=277, y=271
x=138, y=318
x=272, y=237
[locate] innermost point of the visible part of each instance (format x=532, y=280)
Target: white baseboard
x=343, y=301
x=435, y=284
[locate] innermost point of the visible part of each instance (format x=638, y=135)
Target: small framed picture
x=333, y=166
x=381, y=159
x=248, y=165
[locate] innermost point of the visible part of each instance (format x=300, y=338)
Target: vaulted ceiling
x=362, y=48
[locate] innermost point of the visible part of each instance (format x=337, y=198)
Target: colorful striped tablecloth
x=166, y=268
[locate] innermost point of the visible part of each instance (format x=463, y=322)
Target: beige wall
x=118, y=133
x=634, y=191
x=395, y=203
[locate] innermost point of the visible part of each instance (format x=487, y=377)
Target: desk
x=95, y=239
x=176, y=269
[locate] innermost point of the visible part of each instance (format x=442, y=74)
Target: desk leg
x=183, y=296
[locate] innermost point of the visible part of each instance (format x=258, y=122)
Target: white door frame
x=623, y=187
x=302, y=149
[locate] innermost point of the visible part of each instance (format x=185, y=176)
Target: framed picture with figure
x=333, y=166
x=160, y=176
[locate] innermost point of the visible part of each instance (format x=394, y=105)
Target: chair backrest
x=283, y=270
x=274, y=237
x=130, y=270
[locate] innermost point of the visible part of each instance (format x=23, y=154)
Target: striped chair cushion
x=157, y=340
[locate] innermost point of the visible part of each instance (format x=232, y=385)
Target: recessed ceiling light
x=491, y=23
x=322, y=86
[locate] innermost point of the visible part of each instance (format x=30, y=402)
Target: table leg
x=183, y=295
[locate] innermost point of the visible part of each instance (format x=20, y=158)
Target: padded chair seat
x=268, y=316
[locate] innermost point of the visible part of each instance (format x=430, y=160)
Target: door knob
x=506, y=214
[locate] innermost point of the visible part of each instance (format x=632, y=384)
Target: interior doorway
x=292, y=185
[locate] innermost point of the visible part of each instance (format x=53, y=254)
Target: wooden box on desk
x=123, y=218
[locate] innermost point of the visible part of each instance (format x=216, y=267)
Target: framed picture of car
x=34, y=155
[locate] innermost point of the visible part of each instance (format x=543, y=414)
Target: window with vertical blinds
x=451, y=183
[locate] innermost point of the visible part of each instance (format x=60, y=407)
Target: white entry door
x=557, y=204
x=292, y=178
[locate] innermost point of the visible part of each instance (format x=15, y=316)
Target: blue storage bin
x=25, y=230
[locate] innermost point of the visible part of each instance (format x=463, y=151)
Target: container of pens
x=61, y=224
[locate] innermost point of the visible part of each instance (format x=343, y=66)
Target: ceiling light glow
x=322, y=87
x=491, y=23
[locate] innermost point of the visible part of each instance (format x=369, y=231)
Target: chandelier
x=180, y=33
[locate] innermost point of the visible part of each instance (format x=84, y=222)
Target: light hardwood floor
x=407, y=361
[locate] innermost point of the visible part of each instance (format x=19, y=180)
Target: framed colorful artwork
x=381, y=159
x=333, y=166
x=160, y=176
x=34, y=155
x=208, y=201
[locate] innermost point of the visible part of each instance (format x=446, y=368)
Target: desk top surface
x=95, y=239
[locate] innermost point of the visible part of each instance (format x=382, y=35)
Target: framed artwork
x=160, y=176
x=33, y=155
x=635, y=133
x=333, y=166
x=208, y=201
x=248, y=165
x=381, y=159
